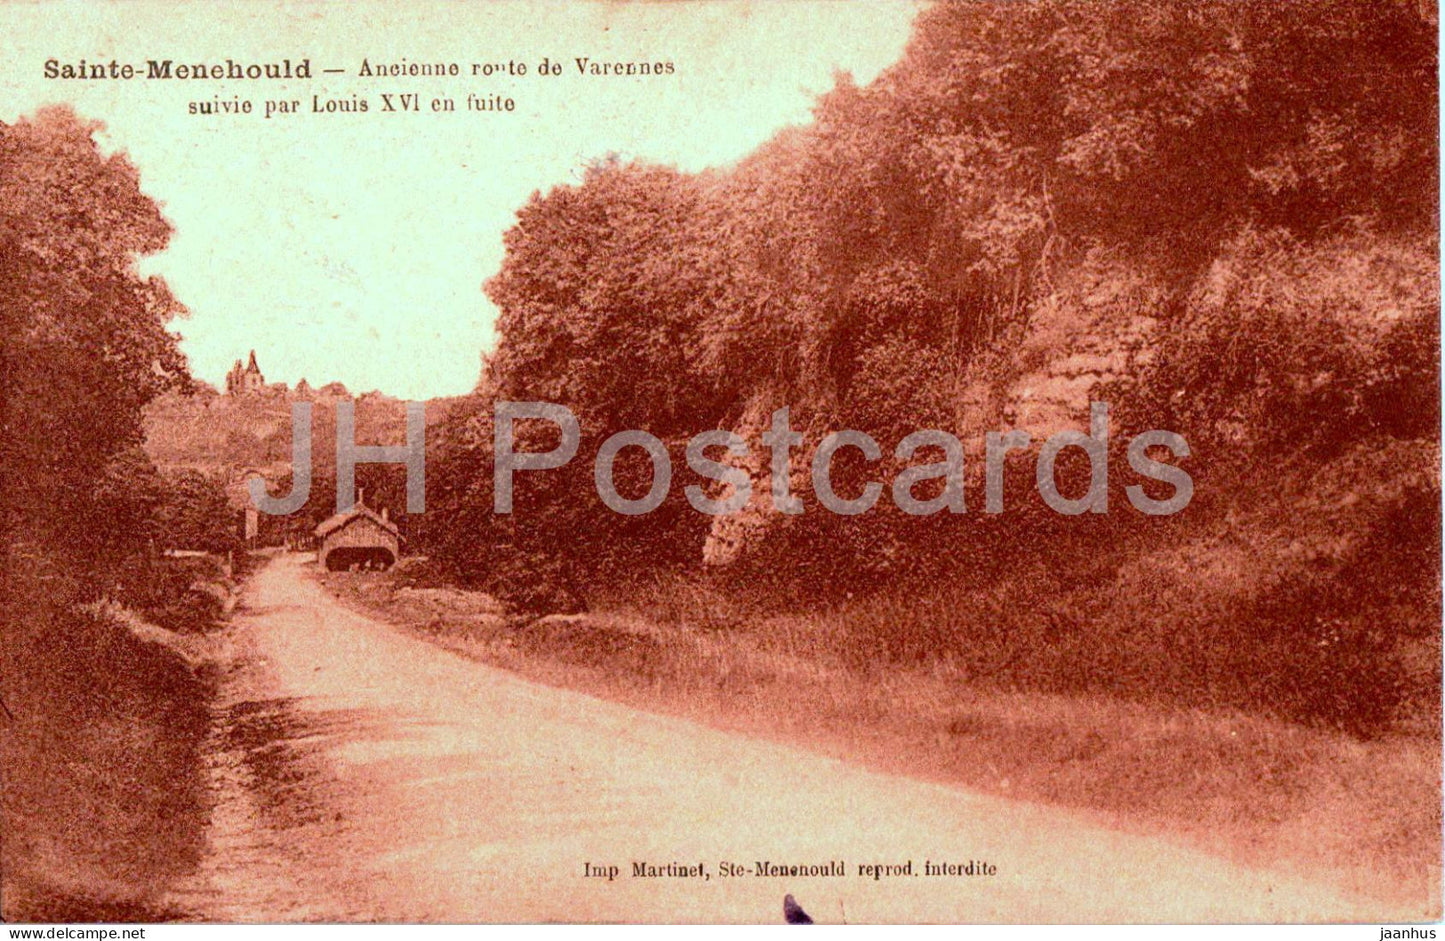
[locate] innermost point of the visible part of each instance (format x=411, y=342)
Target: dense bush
x=195, y=513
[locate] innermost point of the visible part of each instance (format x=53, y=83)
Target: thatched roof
x=357, y=512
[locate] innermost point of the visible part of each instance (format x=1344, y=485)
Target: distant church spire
x=244, y=381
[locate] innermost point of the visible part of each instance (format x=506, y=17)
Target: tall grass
x=103, y=800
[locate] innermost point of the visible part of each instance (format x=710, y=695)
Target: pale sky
x=353, y=247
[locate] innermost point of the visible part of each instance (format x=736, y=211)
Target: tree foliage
x=85, y=340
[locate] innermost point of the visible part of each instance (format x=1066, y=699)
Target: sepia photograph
x=720, y=462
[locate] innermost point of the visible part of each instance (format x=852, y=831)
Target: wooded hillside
x=1219, y=218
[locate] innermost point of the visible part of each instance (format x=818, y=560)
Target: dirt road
x=362, y=774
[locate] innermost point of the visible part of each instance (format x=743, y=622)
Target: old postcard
x=720, y=462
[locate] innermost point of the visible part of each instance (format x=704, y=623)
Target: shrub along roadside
x=104, y=804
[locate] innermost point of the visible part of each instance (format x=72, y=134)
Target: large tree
x=83, y=338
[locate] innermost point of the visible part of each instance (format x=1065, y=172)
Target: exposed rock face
x=731, y=534
x=1094, y=331
x=1094, y=328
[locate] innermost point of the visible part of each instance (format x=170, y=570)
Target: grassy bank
x=104, y=803
x=1364, y=815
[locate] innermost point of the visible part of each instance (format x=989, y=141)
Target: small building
x=360, y=537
